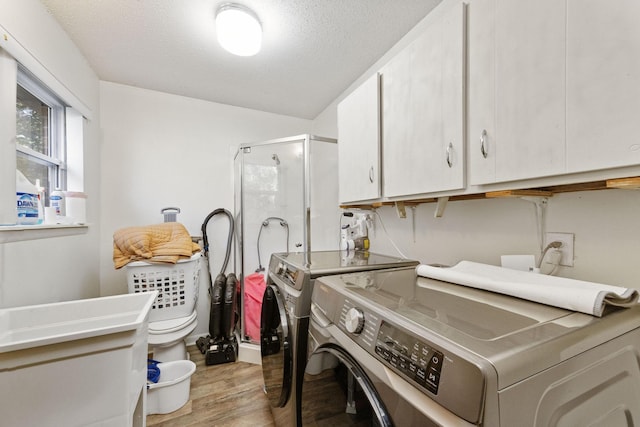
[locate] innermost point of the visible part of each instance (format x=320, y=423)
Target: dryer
x=285, y=315
x=391, y=348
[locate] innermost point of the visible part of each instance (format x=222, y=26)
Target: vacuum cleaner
x=220, y=346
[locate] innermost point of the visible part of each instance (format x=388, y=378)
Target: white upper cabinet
x=423, y=111
x=603, y=84
x=516, y=89
x=359, y=143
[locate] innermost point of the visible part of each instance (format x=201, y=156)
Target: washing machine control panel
x=287, y=273
x=412, y=357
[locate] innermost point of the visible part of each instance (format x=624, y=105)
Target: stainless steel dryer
x=388, y=348
x=285, y=314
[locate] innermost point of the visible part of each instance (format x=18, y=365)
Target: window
x=40, y=134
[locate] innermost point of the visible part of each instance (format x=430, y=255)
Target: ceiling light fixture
x=238, y=29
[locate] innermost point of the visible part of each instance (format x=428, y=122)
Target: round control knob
x=354, y=320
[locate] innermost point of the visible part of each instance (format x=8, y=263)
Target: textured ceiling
x=312, y=49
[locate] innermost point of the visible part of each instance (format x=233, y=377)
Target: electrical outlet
x=567, y=240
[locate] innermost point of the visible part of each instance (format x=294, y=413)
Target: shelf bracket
x=540, y=203
x=400, y=209
x=441, y=204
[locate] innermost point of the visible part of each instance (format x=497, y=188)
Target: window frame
x=56, y=160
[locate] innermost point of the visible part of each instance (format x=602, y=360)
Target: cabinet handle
x=483, y=142
x=371, y=174
x=449, y=159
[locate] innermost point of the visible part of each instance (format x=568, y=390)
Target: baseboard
x=249, y=353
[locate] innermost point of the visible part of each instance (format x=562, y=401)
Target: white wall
x=60, y=268
x=164, y=150
x=605, y=224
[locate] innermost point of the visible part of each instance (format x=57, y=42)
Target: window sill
x=17, y=233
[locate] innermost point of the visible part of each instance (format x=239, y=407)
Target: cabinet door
x=482, y=80
x=603, y=84
x=524, y=67
x=359, y=143
x=453, y=98
x=530, y=77
x=422, y=142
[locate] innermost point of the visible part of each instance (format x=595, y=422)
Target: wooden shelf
x=518, y=193
x=624, y=183
x=631, y=183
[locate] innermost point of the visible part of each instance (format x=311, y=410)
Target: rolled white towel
x=577, y=295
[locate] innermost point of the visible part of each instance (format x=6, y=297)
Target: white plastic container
x=76, y=206
x=171, y=392
x=26, y=201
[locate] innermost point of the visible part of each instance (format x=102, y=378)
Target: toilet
x=173, y=316
x=166, y=337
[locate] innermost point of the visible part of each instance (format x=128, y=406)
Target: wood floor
x=229, y=394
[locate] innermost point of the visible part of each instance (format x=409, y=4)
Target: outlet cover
x=567, y=240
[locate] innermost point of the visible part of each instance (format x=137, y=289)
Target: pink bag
x=254, y=286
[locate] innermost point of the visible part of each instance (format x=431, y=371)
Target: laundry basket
x=177, y=286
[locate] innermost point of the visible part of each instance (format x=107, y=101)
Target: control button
x=423, y=362
x=382, y=352
x=379, y=350
x=404, y=363
x=354, y=320
x=421, y=376
x=433, y=381
x=433, y=377
x=436, y=361
x=394, y=360
x=413, y=368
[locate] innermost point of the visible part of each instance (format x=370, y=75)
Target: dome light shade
x=238, y=30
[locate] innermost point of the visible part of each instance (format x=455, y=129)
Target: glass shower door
x=269, y=215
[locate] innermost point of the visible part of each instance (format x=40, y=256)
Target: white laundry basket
x=171, y=392
x=177, y=286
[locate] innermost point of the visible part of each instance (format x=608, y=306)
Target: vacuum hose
x=205, y=240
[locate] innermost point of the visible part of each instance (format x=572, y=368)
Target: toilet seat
x=169, y=331
x=171, y=325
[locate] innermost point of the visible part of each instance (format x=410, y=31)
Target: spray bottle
x=58, y=202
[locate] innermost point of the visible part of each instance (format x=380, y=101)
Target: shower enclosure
x=286, y=200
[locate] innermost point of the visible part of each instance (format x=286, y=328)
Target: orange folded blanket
x=163, y=243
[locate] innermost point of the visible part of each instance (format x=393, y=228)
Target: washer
x=285, y=314
x=391, y=348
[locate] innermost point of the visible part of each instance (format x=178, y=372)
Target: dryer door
x=275, y=347
x=342, y=394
